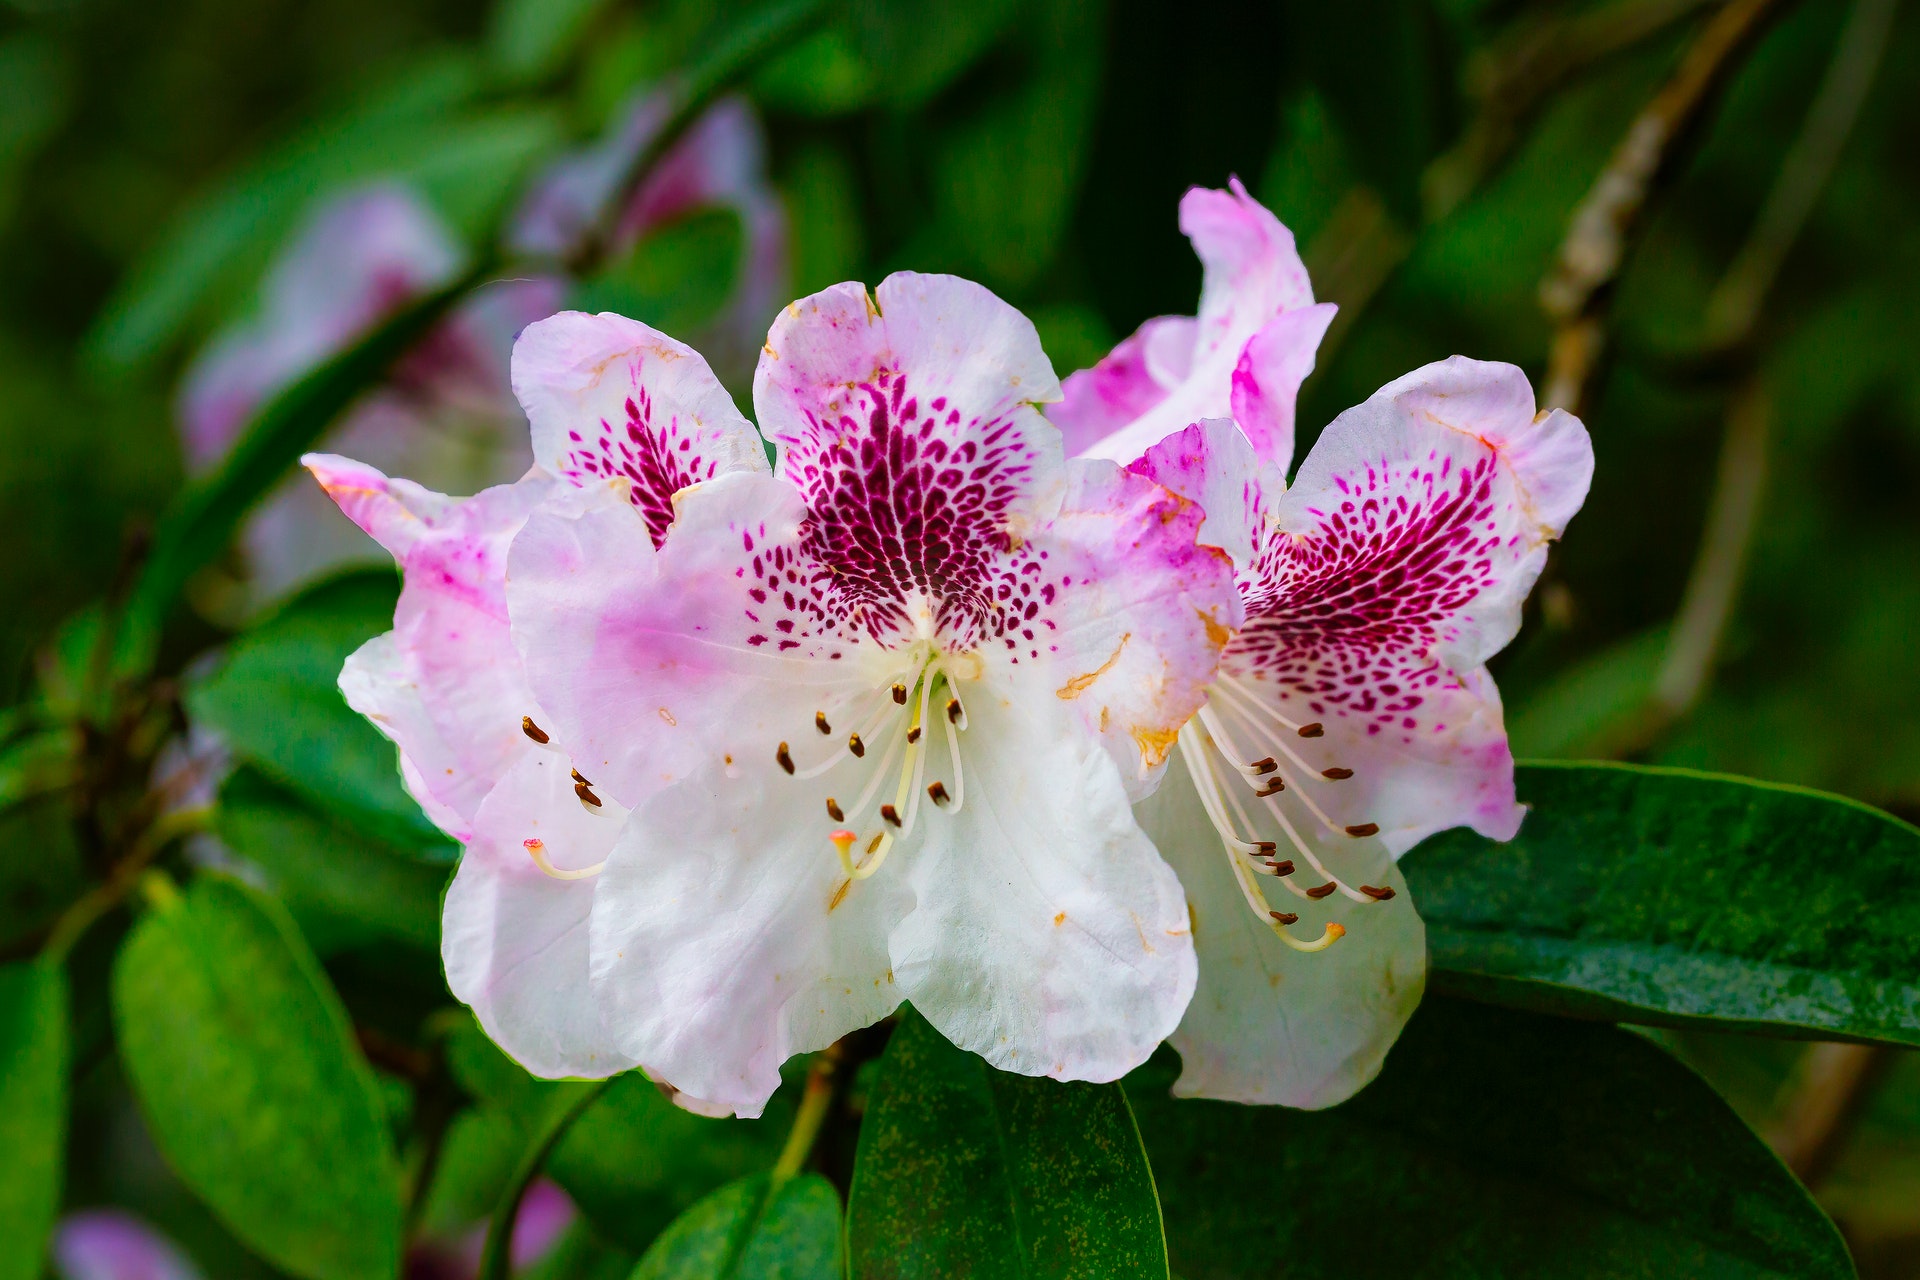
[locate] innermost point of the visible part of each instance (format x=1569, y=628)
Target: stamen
x=1323, y=890
x=1285, y=917
x=785, y=758
x=537, y=850
x=1377, y=894
x=856, y=746
x=1336, y=774
x=900, y=694
x=586, y=795
x=1283, y=868
x=1332, y=934
x=890, y=815
x=1314, y=730
x=534, y=731
x=1363, y=830
x=1260, y=768
x=833, y=810
x=913, y=735
x=954, y=711
x=937, y=792
x=1273, y=788
x=820, y=723
x=580, y=778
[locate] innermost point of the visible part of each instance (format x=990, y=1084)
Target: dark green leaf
x=968, y=1171
x=278, y=702
x=823, y=75
x=676, y=279
x=531, y=38
x=1493, y=1144
x=1668, y=897
x=752, y=1230
x=33, y=1112
x=921, y=45
x=246, y=1069
x=341, y=885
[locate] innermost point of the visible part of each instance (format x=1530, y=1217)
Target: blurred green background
x=1429, y=154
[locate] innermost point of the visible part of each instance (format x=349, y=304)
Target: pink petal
x=446, y=684
x=1212, y=464
x=111, y=1244
x=613, y=399
x=1244, y=355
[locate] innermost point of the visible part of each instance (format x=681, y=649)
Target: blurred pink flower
x=545, y=1214
x=719, y=162
x=446, y=415
x=112, y=1244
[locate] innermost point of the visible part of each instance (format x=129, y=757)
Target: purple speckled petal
x=613, y=399
x=1391, y=571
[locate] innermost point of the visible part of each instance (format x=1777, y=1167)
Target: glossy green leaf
x=1493, y=1144
x=343, y=887
x=247, y=1072
x=277, y=701
x=752, y=1230
x=33, y=1112
x=967, y=1171
x=1667, y=897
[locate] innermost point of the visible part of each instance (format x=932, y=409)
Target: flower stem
x=814, y=1104
x=496, y=1256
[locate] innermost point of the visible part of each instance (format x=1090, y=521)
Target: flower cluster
x=745, y=755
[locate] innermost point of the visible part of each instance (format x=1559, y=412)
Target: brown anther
x=1284, y=917
x=891, y=814
x=784, y=757
x=1273, y=788
x=1313, y=730
x=586, y=794
x=953, y=710
x=534, y=731
x=913, y=735
x=579, y=778
x=900, y=694
x=1337, y=774
x=873, y=845
x=1267, y=765
x=1283, y=868
x=1378, y=895
x=1364, y=829
x=833, y=810
x=856, y=746
x=937, y=792
x=1264, y=848
x=820, y=723
x=1320, y=891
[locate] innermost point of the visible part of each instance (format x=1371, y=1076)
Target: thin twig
x=1574, y=292
x=496, y=1256
x=1833, y=1084
x=814, y=1104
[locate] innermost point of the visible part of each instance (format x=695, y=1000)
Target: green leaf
x=823, y=75
x=341, y=886
x=967, y=1171
x=202, y=520
x=1593, y=706
x=33, y=1112
x=1670, y=897
x=1493, y=1144
x=752, y=1230
x=677, y=278
x=245, y=1067
x=277, y=701
x=923, y=44
x=528, y=39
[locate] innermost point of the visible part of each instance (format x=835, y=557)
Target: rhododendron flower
x=111, y=1244
x=1244, y=356
x=446, y=415
x=864, y=730
x=879, y=716
x=720, y=162
x=1353, y=714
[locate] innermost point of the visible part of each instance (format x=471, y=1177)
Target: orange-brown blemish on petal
x=1081, y=683
x=1154, y=744
x=1060, y=918
x=839, y=895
